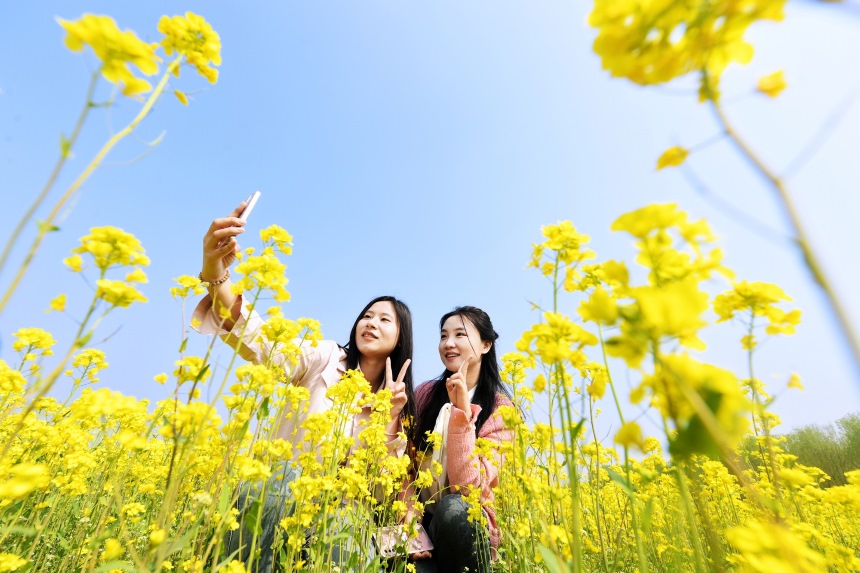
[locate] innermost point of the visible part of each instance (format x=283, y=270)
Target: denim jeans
x=276, y=503
x=458, y=544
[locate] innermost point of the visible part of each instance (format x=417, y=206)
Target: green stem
x=73, y=188
x=801, y=238
x=61, y=162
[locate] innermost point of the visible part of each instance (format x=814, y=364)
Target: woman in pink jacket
x=461, y=405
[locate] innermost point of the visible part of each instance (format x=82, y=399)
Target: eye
x=461, y=334
x=386, y=319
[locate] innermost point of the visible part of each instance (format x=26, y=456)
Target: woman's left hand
x=397, y=387
x=420, y=555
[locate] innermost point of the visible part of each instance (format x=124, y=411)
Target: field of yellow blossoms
x=97, y=481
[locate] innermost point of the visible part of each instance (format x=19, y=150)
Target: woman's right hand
x=220, y=246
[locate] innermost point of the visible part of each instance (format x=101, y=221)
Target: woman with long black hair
x=461, y=406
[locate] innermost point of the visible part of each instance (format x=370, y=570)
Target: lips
x=369, y=335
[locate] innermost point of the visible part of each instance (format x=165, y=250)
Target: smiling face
x=377, y=331
x=458, y=340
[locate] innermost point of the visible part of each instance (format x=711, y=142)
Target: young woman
x=380, y=343
x=461, y=405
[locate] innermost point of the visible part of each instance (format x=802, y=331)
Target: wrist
x=209, y=281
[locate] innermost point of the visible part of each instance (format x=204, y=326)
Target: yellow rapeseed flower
x=111, y=246
x=116, y=50
x=22, y=479
x=192, y=37
x=630, y=434
x=58, y=303
x=280, y=237
x=772, y=547
x=157, y=536
x=651, y=42
x=187, y=285
x=772, y=84
x=75, y=263
x=794, y=382
x=672, y=157
x=11, y=562
x=11, y=381
x=191, y=369
x=136, y=276
x=31, y=339
x=118, y=293
x=600, y=307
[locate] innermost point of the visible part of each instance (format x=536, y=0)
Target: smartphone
x=390, y=541
x=249, y=205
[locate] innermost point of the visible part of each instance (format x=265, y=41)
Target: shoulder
x=423, y=392
x=324, y=349
x=502, y=400
x=495, y=423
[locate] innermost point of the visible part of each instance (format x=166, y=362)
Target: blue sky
x=415, y=149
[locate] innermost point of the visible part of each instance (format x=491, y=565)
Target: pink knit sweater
x=464, y=471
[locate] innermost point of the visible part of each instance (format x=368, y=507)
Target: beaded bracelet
x=208, y=284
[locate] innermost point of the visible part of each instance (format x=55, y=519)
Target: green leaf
x=180, y=543
x=65, y=146
x=694, y=437
x=622, y=481
x=202, y=373
x=183, y=345
x=224, y=498
x=552, y=561
x=21, y=530
x=646, y=516
x=83, y=340
x=252, y=518
x=577, y=429
x=263, y=412
x=46, y=227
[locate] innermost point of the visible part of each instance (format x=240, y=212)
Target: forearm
x=226, y=306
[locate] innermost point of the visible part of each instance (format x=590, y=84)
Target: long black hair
x=489, y=378
x=401, y=353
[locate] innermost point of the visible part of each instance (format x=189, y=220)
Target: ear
x=486, y=346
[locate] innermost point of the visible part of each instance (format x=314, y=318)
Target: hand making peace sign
x=397, y=387
x=458, y=390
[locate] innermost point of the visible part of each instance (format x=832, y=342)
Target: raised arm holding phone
x=379, y=344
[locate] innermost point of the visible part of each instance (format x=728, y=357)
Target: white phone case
x=249, y=205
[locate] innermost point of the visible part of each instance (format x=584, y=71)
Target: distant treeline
x=833, y=448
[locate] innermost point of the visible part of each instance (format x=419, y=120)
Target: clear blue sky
x=415, y=149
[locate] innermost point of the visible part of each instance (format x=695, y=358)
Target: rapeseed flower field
x=97, y=481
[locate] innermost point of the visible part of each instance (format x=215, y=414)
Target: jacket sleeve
x=466, y=470
x=247, y=340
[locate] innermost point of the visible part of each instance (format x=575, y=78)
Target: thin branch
x=801, y=238
x=741, y=217
x=821, y=136
x=150, y=144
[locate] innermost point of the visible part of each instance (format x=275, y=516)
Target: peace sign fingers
x=397, y=387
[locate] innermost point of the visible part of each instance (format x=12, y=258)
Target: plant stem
x=800, y=236
x=116, y=138
x=61, y=162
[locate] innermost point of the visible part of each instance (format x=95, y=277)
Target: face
x=377, y=331
x=458, y=341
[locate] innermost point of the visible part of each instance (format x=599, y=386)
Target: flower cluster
x=651, y=42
